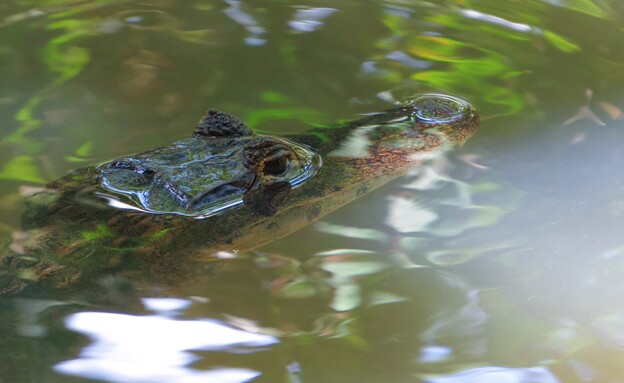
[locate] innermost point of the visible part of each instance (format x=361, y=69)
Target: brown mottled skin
x=71, y=238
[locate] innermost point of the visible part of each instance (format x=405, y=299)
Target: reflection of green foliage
x=70, y=27
x=22, y=168
x=281, y=109
x=82, y=153
x=593, y=8
x=561, y=42
x=460, y=67
x=352, y=232
x=27, y=122
x=61, y=54
x=457, y=257
x=273, y=97
x=65, y=60
x=259, y=116
x=467, y=75
x=475, y=49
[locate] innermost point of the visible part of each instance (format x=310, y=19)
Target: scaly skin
x=72, y=238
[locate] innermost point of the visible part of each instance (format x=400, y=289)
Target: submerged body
x=164, y=216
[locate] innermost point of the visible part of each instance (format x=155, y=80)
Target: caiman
x=170, y=214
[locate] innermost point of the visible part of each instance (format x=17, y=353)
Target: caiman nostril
x=439, y=108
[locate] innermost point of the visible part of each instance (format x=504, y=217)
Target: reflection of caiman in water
x=166, y=215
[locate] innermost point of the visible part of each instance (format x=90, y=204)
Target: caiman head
x=225, y=164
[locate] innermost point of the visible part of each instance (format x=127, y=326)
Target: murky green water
x=502, y=262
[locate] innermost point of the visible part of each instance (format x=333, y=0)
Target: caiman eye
x=276, y=166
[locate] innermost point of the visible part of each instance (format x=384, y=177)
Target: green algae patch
x=101, y=231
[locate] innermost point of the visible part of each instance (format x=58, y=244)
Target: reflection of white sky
x=128, y=348
x=305, y=19
x=472, y=14
x=498, y=375
x=357, y=144
x=309, y=19
x=407, y=60
x=236, y=13
x=467, y=323
x=406, y=215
